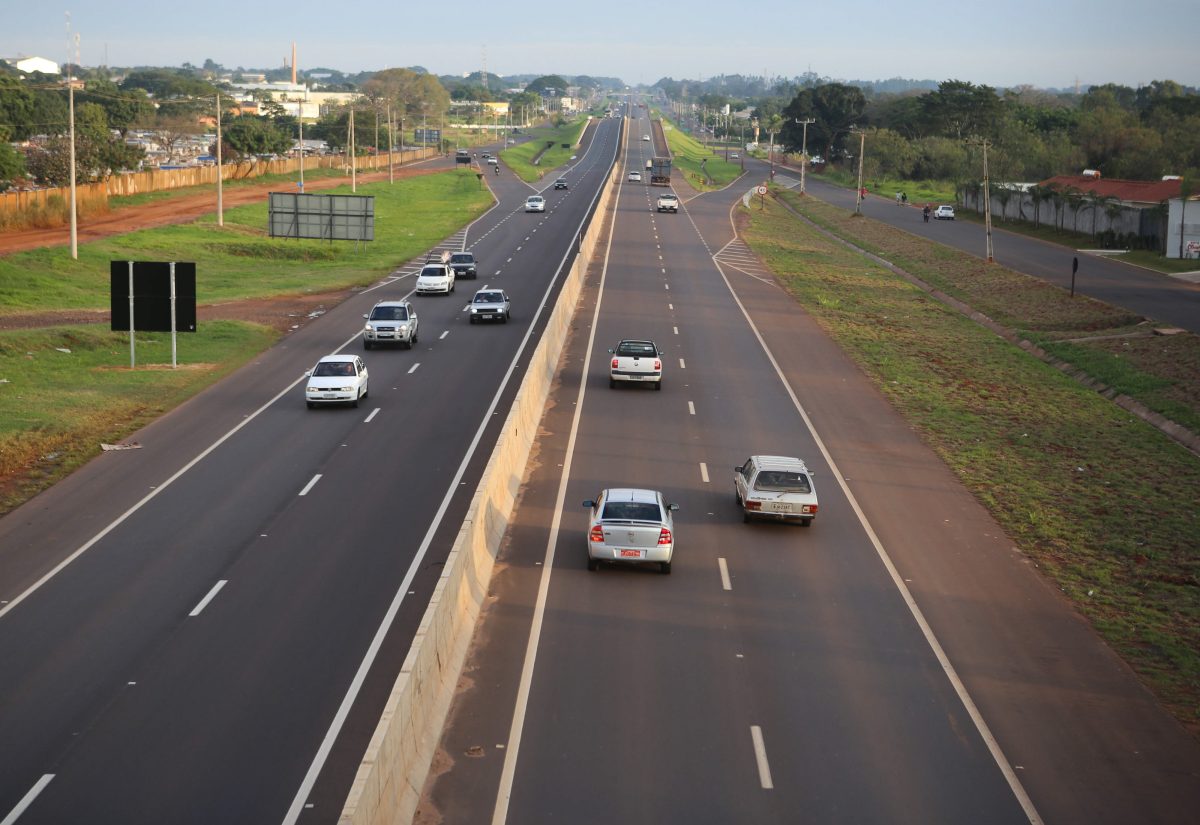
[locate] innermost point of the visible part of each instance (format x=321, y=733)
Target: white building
x=1185, y=220
x=33, y=64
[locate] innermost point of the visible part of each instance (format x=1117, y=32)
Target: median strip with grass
x=697, y=162
x=1106, y=505
x=65, y=389
x=562, y=139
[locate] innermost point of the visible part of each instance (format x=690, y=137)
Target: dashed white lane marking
x=374, y=413
x=671, y=307
x=216, y=588
x=668, y=286
x=704, y=472
x=676, y=330
x=413, y=368
x=682, y=365
x=312, y=483
x=726, y=584
x=691, y=408
x=760, y=756
x=27, y=799
x=443, y=335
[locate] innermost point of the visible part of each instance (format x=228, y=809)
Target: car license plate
x=486, y=316
x=635, y=378
x=330, y=395
x=775, y=507
x=631, y=554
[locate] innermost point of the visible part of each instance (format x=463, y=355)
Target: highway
x=898, y=661
x=204, y=630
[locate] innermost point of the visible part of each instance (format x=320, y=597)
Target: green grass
x=118, y=201
x=687, y=154
x=520, y=157
x=57, y=407
x=918, y=191
x=240, y=261
x=1106, y=505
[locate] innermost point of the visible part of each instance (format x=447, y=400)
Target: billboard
x=152, y=296
x=321, y=217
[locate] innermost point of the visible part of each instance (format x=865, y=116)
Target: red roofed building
x=1132, y=192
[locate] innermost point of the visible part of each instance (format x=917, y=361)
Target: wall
x=153, y=180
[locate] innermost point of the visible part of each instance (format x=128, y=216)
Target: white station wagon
x=775, y=487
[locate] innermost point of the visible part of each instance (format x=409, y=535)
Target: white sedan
x=943, y=213
x=630, y=526
x=337, y=379
x=535, y=203
x=635, y=175
x=434, y=278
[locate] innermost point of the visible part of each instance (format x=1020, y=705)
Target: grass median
x=697, y=162
x=520, y=157
x=1108, y=507
x=65, y=389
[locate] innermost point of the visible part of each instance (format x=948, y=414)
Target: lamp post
x=804, y=150
x=987, y=198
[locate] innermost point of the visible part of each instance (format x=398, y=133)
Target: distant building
x=33, y=64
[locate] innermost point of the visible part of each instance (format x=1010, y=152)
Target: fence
x=154, y=180
x=1125, y=226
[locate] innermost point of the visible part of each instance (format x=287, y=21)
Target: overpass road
x=899, y=661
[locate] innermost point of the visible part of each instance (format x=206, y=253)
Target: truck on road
x=660, y=172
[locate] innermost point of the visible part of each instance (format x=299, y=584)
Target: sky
x=1000, y=43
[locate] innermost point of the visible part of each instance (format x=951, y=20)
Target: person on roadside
x=904, y=198
x=925, y=213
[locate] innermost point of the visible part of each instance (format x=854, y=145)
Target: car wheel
x=472, y=319
x=745, y=517
x=593, y=564
x=354, y=403
x=506, y=317
x=665, y=567
x=309, y=404
x=806, y=522
x=657, y=386
x=612, y=385
x=366, y=344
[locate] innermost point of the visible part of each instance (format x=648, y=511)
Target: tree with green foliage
x=546, y=83
x=12, y=164
x=248, y=136
x=960, y=109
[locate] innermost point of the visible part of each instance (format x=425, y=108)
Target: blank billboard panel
x=322, y=217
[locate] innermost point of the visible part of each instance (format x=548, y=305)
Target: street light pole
x=804, y=150
x=987, y=199
x=858, y=194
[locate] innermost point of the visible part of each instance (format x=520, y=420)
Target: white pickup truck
x=667, y=202
x=635, y=361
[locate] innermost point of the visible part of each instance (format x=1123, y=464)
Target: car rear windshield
x=631, y=511
x=433, y=272
x=462, y=258
x=389, y=314
x=782, y=481
x=636, y=349
x=489, y=298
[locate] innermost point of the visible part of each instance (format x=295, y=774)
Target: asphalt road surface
x=898, y=661
x=204, y=630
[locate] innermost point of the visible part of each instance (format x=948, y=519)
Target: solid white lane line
x=985, y=732
x=413, y=368
x=211, y=594
x=27, y=799
x=691, y=408
x=682, y=365
x=374, y=413
x=760, y=756
x=726, y=584
x=704, y=472
x=312, y=483
x=443, y=335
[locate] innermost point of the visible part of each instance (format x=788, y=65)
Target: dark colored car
x=463, y=264
x=561, y=183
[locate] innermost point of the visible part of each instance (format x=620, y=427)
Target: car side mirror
x=364, y=315
x=589, y=503
x=611, y=352
x=672, y=506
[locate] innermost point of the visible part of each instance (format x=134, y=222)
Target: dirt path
x=174, y=210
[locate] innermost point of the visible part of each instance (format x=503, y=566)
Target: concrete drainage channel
x=393, y=770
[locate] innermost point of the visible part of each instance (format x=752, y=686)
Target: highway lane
x=143, y=711
x=645, y=688
x=1147, y=293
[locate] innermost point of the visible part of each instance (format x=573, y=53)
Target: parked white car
x=775, y=487
x=336, y=379
x=630, y=526
x=943, y=213
x=435, y=278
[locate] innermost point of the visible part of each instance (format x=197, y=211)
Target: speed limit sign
x=762, y=190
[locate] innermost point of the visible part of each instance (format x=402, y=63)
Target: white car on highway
x=775, y=487
x=943, y=213
x=635, y=362
x=336, y=379
x=535, y=203
x=435, y=278
x=630, y=526
x=390, y=322
x=490, y=305
x=635, y=175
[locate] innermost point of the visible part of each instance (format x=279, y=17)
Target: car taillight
x=753, y=505
x=808, y=508
x=664, y=536
x=657, y=364
x=614, y=363
x=597, y=534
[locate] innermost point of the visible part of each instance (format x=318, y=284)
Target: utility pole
x=987, y=197
x=804, y=150
x=391, y=140
x=220, y=170
x=71, y=130
x=353, y=165
x=300, y=123
x=862, y=146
